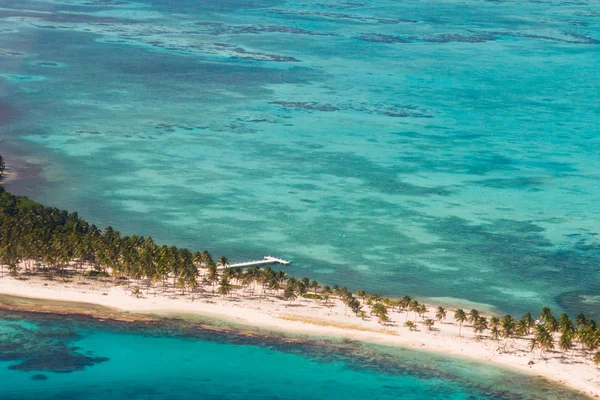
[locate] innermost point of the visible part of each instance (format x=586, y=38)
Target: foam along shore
x=313, y=316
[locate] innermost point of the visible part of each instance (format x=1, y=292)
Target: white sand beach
x=313, y=317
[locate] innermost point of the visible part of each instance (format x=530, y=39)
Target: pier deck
x=266, y=261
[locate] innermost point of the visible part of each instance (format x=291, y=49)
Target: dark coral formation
x=456, y=38
x=379, y=38
x=576, y=37
x=389, y=110
x=46, y=349
x=217, y=28
x=306, y=105
x=332, y=15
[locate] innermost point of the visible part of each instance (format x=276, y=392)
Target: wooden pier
x=266, y=261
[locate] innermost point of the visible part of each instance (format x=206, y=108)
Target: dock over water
x=265, y=261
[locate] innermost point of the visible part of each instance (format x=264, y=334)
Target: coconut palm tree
x=422, y=310
x=289, y=293
x=480, y=325
x=414, y=306
x=410, y=325
x=314, y=285
x=473, y=315
x=565, y=343
x=224, y=287
x=494, y=322
x=495, y=333
x=212, y=276
x=545, y=314
x=440, y=314
x=508, y=328
x=460, y=317
x=429, y=323
x=223, y=261
x=544, y=339
x=528, y=321
x=383, y=318
x=581, y=320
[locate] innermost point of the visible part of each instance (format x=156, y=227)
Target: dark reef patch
x=39, y=377
x=455, y=38
x=380, y=38
x=585, y=301
x=389, y=110
x=46, y=64
x=576, y=38
x=46, y=349
x=305, y=105
x=528, y=183
x=342, y=16
x=218, y=28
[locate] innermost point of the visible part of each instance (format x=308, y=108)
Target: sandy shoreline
x=312, y=318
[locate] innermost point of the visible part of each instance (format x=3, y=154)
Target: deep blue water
x=51, y=358
x=444, y=149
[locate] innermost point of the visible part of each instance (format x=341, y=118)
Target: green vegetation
x=410, y=325
x=313, y=296
x=45, y=240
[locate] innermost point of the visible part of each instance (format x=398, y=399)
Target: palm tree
x=564, y=322
x=495, y=333
x=405, y=302
x=290, y=293
x=410, y=325
x=414, y=306
x=383, y=318
x=473, y=315
x=314, y=285
x=212, y=277
x=422, y=310
x=223, y=261
x=552, y=323
x=494, y=322
x=565, y=343
x=521, y=328
x=440, y=314
x=533, y=344
x=528, y=321
x=460, y=317
x=545, y=314
x=544, y=339
x=581, y=320
x=224, y=287
x=480, y=325
x=508, y=328
x=429, y=323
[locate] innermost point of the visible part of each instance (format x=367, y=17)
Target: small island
x=51, y=254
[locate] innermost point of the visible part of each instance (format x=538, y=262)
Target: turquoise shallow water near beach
x=48, y=358
x=436, y=148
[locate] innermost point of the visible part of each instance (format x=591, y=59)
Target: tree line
x=35, y=238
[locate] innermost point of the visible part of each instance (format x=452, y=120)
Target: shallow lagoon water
x=62, y=357
x=437, y=148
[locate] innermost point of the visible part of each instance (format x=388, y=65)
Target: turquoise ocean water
x=61, y=358
x=443, y=149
